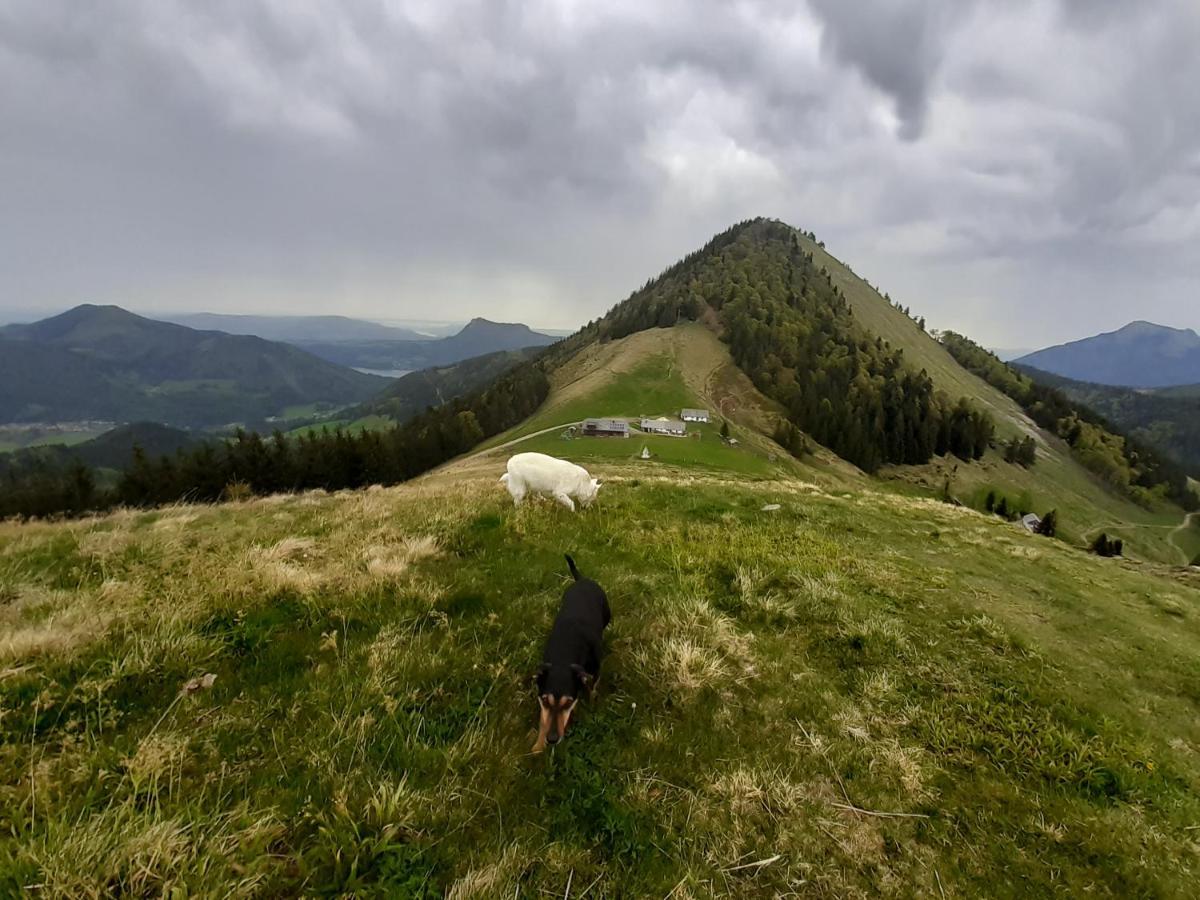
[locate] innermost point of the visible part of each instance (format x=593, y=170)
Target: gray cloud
x=897, y=46
x=539, y=160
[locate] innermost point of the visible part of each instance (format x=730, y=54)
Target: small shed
x=1031, y=522
x=694, y=415
x=606, y=428
x=672, y=427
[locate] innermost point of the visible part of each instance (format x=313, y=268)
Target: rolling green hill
x=771, y=332
x=657, y=372
x=857, y=694
x=111, y=450
x=105, y=363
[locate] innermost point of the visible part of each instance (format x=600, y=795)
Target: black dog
x=571, y=660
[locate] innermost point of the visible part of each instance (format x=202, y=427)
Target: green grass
x=1188, y=539
x=706, y=452
x=1023, y=713
x=654, y=387
x=1085, y=507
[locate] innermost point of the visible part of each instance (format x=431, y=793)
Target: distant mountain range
x=1140, y=355
x=416, y=391
x=103, y=362
x=478, y=337
x=297, y=329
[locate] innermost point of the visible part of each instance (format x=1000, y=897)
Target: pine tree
x=1049, y=524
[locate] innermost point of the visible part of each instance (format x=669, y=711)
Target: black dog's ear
x=585, y=677
x=540, y=674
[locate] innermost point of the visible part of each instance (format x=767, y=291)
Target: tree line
x=1128, y=465
x=250, y=464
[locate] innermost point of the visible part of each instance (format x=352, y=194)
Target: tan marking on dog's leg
x=543, y=729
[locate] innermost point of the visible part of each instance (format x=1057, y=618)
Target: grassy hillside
x=1085, y=505
x=858, y=694
x=921, y=351
x=658, y=372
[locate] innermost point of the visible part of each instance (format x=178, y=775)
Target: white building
x=694, y=415
x=672, y=427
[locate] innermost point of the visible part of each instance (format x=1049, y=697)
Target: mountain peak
x=1142, y=327
x=1140, y=355
x=479, y=324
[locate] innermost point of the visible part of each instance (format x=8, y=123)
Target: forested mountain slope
x=1165, y=418
x=102, y=362
x=416, y=391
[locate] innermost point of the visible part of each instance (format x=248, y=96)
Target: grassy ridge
x=1084, y=504
x=369, y=725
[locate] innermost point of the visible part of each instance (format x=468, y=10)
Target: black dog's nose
x=552, y=739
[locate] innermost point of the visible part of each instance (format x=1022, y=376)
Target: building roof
x=606, y=424
x=663, y=422
x=694, y=412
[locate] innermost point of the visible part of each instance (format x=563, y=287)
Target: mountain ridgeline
x=1140, y=355
x=791, y=330
x=477, y=337
x=102, y=362
x=417, y=391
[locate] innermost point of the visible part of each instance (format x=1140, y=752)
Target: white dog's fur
x=544, y=474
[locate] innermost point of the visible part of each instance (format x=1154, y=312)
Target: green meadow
x=860, y=693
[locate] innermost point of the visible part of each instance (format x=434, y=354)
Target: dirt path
x=523, y=437
x=1179, y=529
x=1183, y=526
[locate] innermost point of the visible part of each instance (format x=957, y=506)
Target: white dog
x=544, y=474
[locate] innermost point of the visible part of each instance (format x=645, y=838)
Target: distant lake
x=386, y=373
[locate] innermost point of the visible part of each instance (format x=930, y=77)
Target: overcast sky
x=1024, y=170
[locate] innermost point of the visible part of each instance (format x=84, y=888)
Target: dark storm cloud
x=537, y=160
x=897, y=46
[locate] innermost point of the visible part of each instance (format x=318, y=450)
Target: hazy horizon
x=1027, y=174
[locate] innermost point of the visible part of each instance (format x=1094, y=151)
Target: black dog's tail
x=571, y=566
